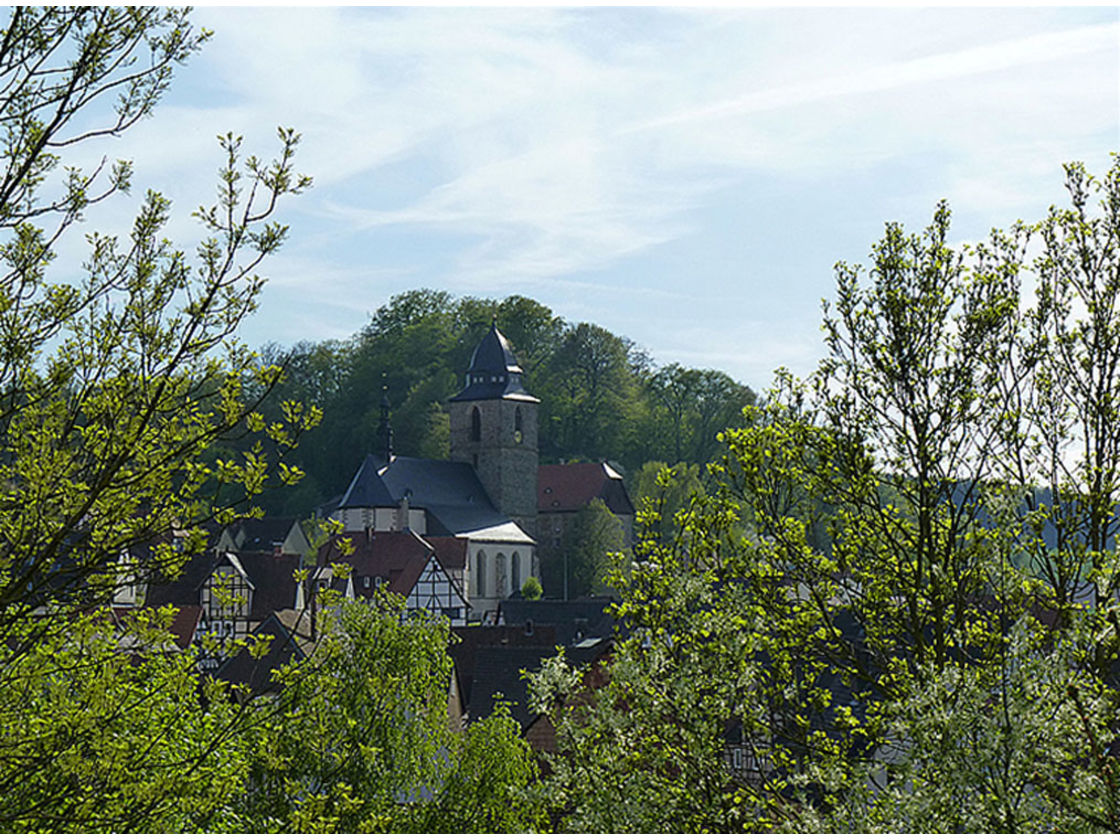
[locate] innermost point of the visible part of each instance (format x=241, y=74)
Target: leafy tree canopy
x=601, y=398
x=129, y=412
x=895, y=606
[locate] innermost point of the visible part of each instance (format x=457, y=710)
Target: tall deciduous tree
x=361, y=739
x=114, y=382
x=910, y=671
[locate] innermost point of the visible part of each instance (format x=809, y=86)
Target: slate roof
x=450, y=492
x=489, y=660
x=574, y=621
x=273, y=581
x=494, y=373
x=366, y=489
x=265, y=533
x=185, y=623
x=497, y=671
x=471, y=638
x=563, y=488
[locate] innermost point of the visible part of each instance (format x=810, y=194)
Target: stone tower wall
x=506, y=467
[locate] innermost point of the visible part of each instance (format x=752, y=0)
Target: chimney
x=402, y=513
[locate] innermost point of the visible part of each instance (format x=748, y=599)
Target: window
x=517, y=420
x=515, y=573
x=500, y=573
x=480, y=574
x=476, y=424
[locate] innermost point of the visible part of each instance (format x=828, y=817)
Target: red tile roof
x=397, y=557
x=184, y=624
x=570, y=487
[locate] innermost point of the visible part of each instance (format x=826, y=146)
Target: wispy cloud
x=561, y=151
x=990, y=58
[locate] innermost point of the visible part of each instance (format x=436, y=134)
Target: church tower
x=494, y=428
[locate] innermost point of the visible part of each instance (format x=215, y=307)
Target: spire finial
x=384, y=428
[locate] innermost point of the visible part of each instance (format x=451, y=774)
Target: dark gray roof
x=494, y=373
x=367, y=490
x=498, y=669
x=256, y=673
x=449, y=491
x=274, y=585
x=265, y=533
x=574, y=621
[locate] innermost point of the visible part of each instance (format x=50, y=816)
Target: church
x=477, y=512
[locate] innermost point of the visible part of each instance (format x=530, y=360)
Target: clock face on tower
x=517, y=436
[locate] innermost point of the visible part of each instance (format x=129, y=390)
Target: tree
x=531, y=590
x=697, y=405
x=114, y=384
x=668, y=490
x=1070, y=419
x=103, y=436
x=910, y=671
x=362, y=740
x=590, y=387
x=590, y=539
x=97, y=739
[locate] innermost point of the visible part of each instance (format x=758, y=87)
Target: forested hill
x=601, y=395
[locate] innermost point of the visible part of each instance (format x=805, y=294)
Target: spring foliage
x=895, y=607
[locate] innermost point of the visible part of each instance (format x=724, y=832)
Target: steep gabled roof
x=452, y=551
x=185, y=623
x=270, y=577
x=473, y=638
x=273, y=580
x=366, y=489
x=384, y=554
x=291, y=642
x=398, y=557
x=563, y=488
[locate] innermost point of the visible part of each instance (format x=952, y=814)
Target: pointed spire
x=384, y=428
x=494, y=372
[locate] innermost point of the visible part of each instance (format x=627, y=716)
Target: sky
x=686, y=178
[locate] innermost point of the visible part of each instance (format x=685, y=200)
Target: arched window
x=480, y=573
x=515, y=574
x=500, y=574
x=517, y=420
x=476, y=424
